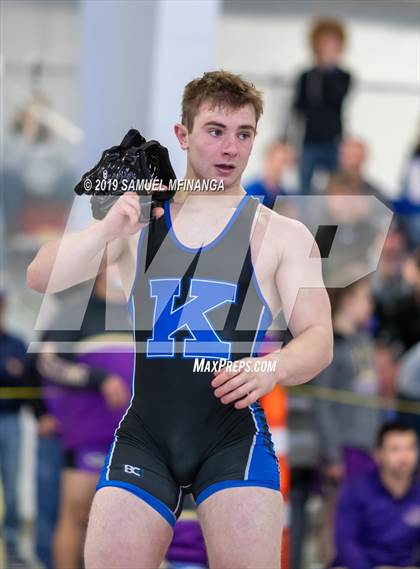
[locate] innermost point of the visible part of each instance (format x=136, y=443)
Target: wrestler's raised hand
x=122, y=219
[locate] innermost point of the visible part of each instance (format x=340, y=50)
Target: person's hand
x=247, y=381
x=334, y=472
x=14, y=366
x=115, y=392
x=47, y=425
x=122, y=219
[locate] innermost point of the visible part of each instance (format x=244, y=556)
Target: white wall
x=48, y=32
x=264, y=38
x=378, y=51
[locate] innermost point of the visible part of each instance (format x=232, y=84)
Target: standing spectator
x=49, y=461
x=351, y=159
x=278, y=158
x=87, y=391
x=49, y=465
x=378, y=514
x=319, y=96
x=346, y=430
x=12, y=365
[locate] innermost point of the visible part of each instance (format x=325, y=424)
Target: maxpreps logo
x=201, y=365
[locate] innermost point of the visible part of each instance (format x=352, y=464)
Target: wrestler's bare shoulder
x=279, y=232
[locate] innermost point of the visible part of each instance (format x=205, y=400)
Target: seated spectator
x=351, y=159
x=278, y=158
x=397, y=299
x=378, y=515
x=318, y=100
x=411, y=270
x=349, y=233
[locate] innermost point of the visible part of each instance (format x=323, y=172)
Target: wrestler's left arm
x=307, y=311
x=306, y=308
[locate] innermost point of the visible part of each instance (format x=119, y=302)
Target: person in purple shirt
x=86, y=374
x=378, y=515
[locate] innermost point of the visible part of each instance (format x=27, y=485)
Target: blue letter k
x=204, y=296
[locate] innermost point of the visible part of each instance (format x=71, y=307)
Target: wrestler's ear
x=181, y=132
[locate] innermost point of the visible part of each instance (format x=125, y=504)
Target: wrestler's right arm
x=79, y=256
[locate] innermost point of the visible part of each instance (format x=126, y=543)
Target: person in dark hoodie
x=12, y=376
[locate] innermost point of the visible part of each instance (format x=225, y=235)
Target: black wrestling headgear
x=122, y=167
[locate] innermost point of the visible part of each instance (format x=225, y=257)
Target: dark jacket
x=319, y=97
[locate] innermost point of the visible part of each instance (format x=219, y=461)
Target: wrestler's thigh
x=242, y=528
x=124, y=532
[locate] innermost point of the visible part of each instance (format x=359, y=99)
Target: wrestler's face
x=220, y=143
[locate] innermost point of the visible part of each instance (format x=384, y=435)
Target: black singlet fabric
x=190, y=309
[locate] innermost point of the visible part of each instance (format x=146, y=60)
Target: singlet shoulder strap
x=245, y=276
x=157, y=231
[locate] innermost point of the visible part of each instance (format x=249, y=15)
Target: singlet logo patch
x=135, y=470
x=203, y=297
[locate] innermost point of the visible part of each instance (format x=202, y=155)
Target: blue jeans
x=10, y=437
x=49, y=464
x=316, y=155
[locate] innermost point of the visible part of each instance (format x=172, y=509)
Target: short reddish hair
x=326, y=26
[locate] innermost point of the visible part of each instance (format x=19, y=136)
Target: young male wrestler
x=210, y=275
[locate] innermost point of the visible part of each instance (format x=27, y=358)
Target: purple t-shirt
x=187, y=543
x=84, y=416
x=373, y=528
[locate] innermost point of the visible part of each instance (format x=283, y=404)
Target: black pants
x=302, y=485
